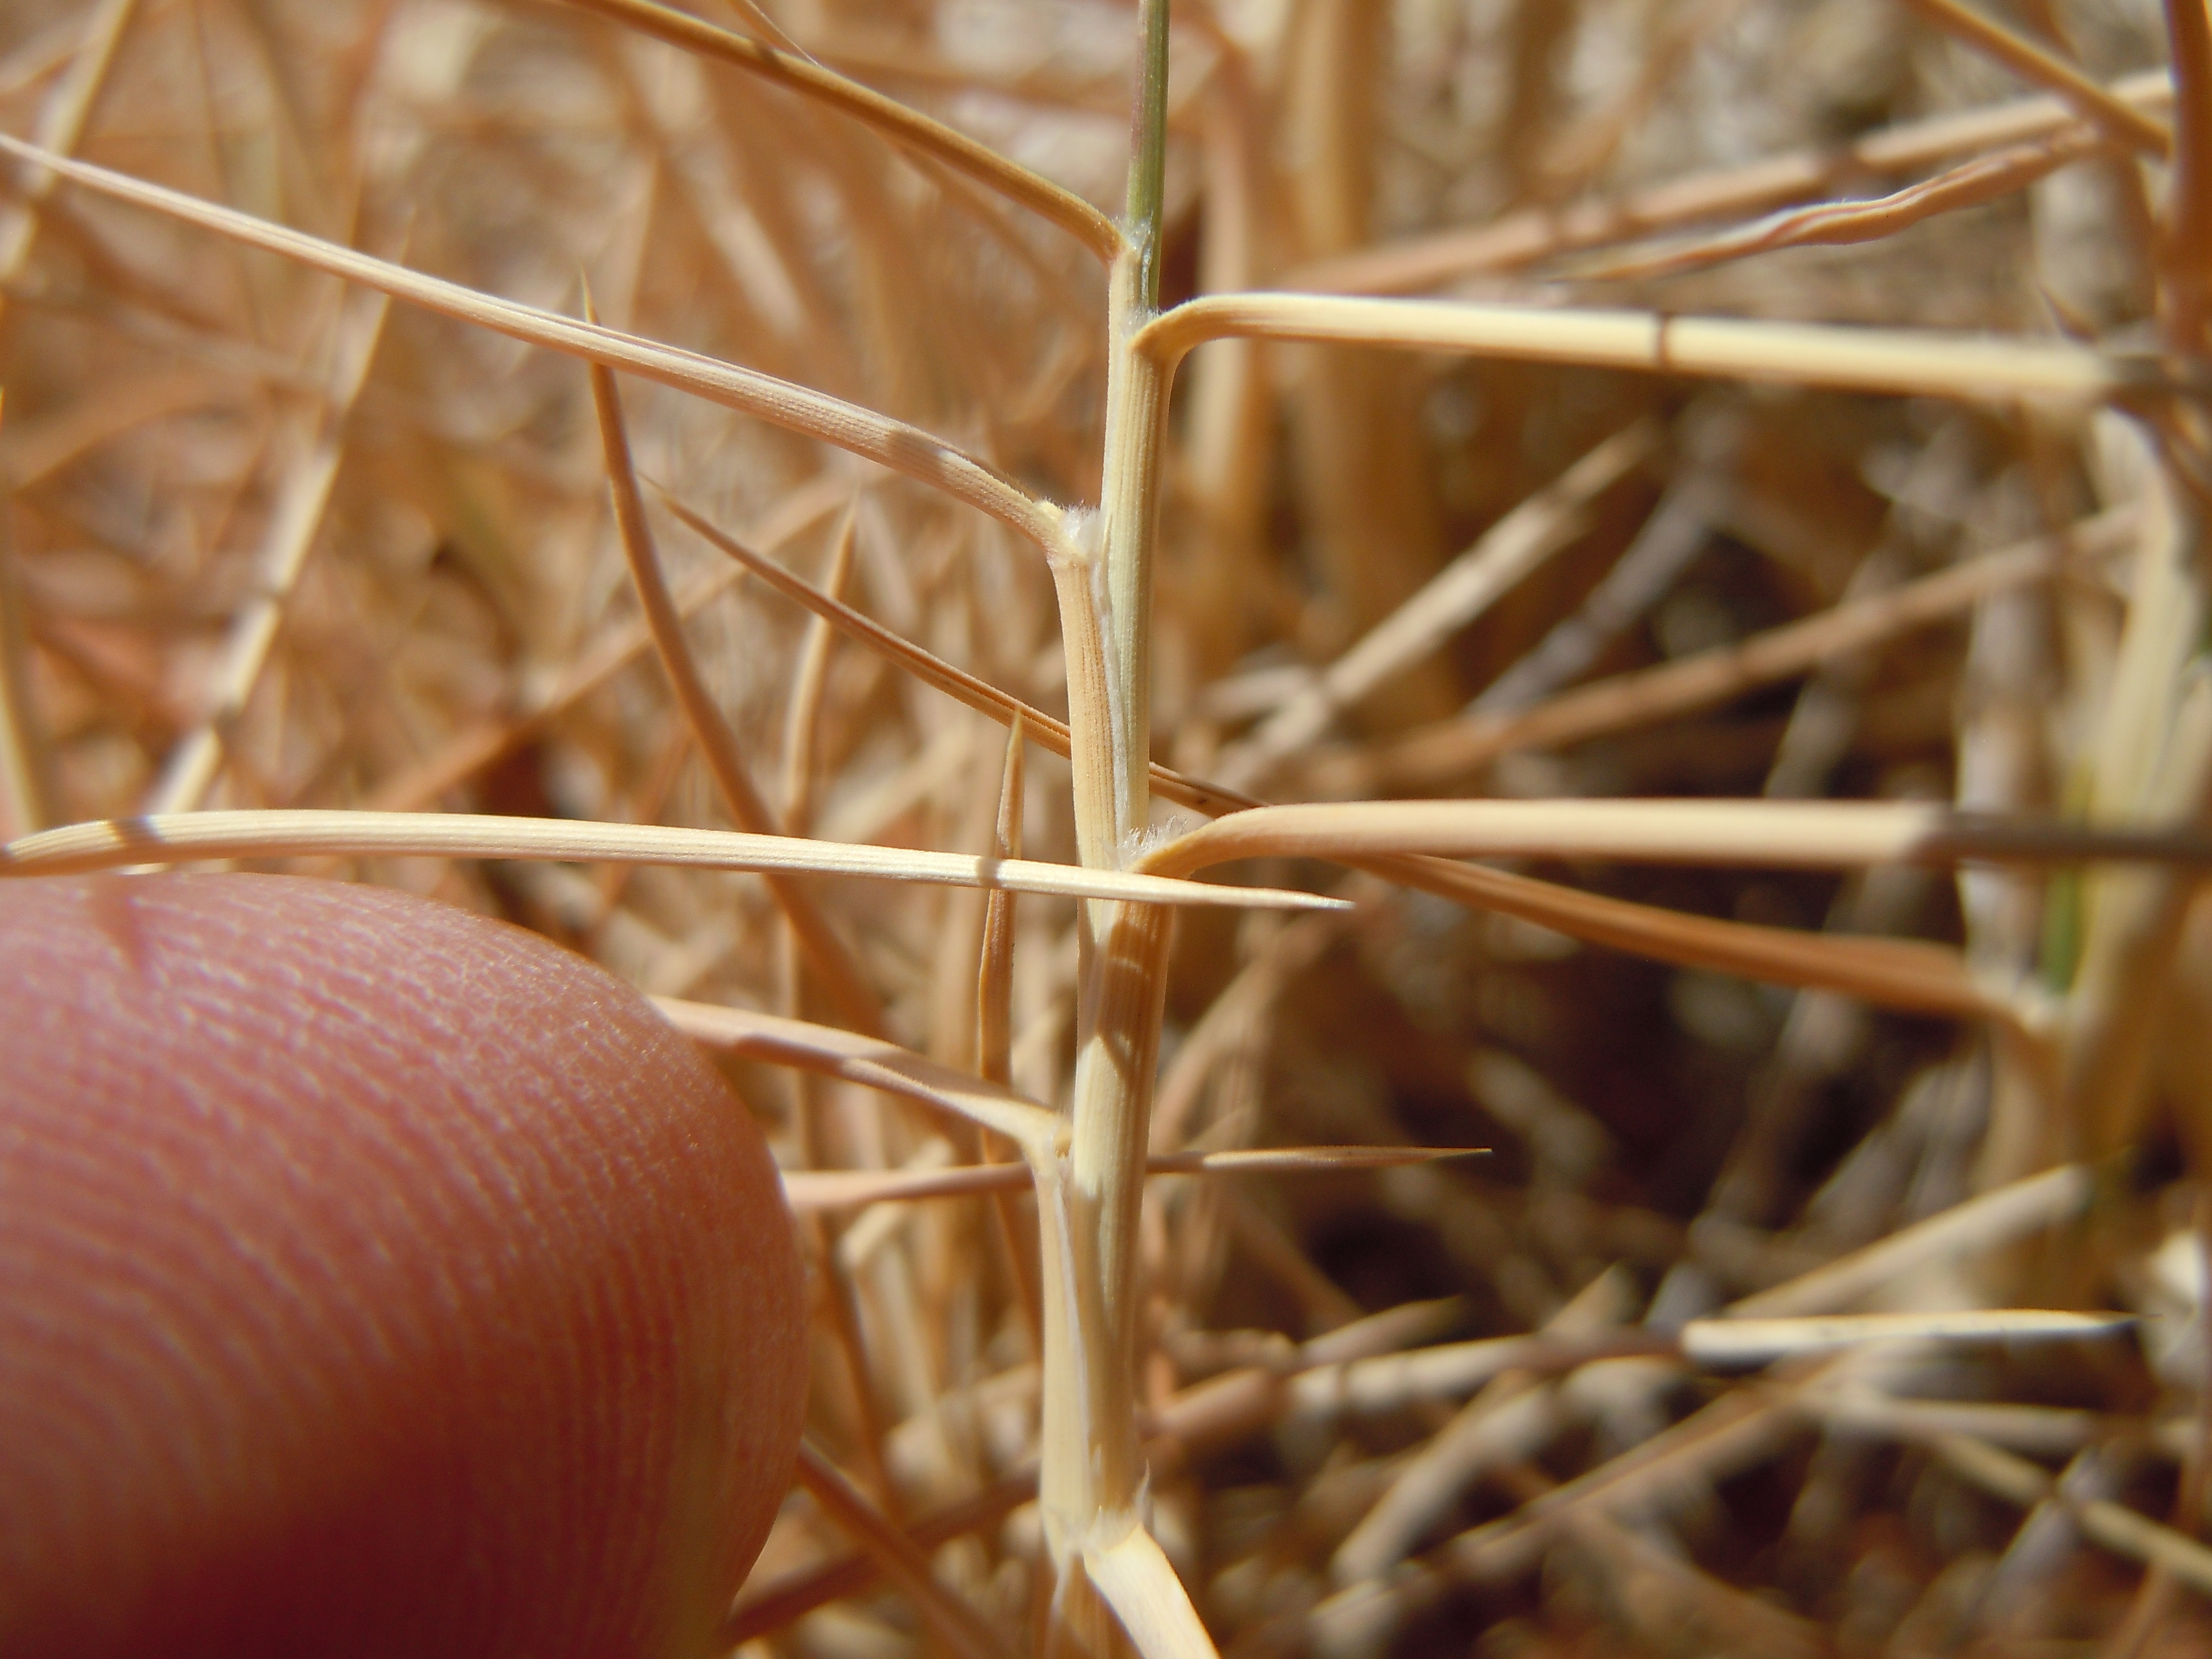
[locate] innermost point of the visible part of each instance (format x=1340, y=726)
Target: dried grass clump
x=1543, y=408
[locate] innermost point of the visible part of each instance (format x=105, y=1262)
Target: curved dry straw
x=908, y=128
x=849, y=427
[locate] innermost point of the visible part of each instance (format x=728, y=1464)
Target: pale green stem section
x=1145, y=204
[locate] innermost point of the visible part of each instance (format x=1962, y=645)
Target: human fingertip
x=374, y=1279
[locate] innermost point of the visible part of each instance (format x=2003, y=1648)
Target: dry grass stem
x=1735, y=1430
x=802, y=728
x=1218, y=1410
x=1768, y=834
x=1037, y=726
x=24, y=780
x=1511, y=1418
x=597, y=662
x=195, y=836
x=2188, y=252
x=861, y=432
x=866, y=1060
x=1455, y=597
x=1450, y=749
x=61, y=123
x=843, y=979
x=1759, y=1341
x=959, y=1627
x=995, y=988
x=1889, y=973
x=2125, y=124
x=24, y=769
x=906, y=127
x=2003, y=1474
x=293, y=526
x=1139, y=1582
x=777, y=1605
x=1924, y=363
x=1987, y=1222
x=850, y=1189
x=994, y=970
x=1970, y=184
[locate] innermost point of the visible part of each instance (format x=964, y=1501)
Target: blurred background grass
x=272, y=544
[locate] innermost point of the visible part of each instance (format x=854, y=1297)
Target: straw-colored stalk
x=1091, y=1189
x=1908, y=361
x=2126, y=124
x=1749, y=834
x=826, y=953
x=186, y=837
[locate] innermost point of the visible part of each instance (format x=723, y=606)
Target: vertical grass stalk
x=1092, y=1472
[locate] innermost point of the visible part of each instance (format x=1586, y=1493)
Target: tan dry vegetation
x=1554, y=406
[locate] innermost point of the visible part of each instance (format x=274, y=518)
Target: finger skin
x=374, y=1279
